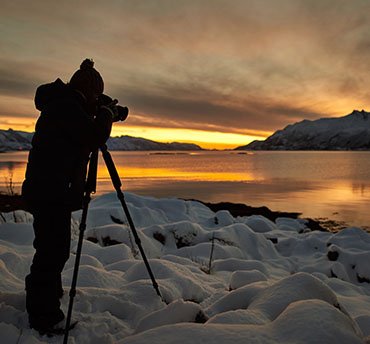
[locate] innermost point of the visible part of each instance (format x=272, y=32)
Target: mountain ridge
x=14, y=140
x=350, y=132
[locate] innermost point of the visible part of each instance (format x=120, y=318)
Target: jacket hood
x=48, y=92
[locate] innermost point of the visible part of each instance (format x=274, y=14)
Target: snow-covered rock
x=223, y=281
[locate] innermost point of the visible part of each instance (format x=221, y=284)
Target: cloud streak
x=240, y=66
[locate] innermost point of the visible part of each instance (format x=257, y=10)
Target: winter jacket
x=65, y=136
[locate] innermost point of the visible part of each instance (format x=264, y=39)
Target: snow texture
x=234, y=280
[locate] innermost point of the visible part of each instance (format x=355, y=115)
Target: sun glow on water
x=178, y=174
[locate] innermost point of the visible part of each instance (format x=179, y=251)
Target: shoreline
x=14, y=202
x=241, y=209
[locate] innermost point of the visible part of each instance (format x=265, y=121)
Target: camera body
x=120, y=112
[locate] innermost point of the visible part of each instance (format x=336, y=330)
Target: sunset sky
x=219, y=73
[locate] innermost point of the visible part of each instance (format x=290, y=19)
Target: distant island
x=350, y=132
x=13, y=140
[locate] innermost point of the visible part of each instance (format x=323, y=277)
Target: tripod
x=89, y=189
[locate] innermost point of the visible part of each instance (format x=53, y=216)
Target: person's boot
x=44, y=323
x=43, y=305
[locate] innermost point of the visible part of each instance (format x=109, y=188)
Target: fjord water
x=323, y=184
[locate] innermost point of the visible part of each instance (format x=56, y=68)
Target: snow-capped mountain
x=12, y=140
x=129, y=143
x=351, y=132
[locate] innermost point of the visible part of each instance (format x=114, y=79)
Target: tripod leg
x=72, y=292
x=117, y=185
x=90, y=187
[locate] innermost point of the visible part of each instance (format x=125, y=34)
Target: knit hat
x=87, y=79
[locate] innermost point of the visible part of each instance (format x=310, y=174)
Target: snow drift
x=267, y=282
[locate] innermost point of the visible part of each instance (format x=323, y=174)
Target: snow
x=267, y=282
x=341, y=133
x=12, y=140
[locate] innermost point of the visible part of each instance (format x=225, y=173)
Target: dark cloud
x=17, y=80
x=237, y=66
x=166, y=111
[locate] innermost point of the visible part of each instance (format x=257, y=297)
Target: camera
x=120, y=112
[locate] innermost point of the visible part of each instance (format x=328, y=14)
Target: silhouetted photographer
x=75, y=120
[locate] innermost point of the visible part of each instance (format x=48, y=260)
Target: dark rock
x=333, y=255
x=180, y=242
x=332, y=274
x=201, y=318
x=337, y=305
x=362, y=279
x=116, y=220
x=159, y=237
x=92, y=239
x=239, y=209
x=107, y=241
x=315, y=225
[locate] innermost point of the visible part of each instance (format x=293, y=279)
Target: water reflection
x=318, y=184
x=360, y=188
x=11, y=172
x=177, y=174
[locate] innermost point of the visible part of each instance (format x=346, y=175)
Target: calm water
x=334, y=185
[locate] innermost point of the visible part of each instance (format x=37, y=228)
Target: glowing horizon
x=205, y=139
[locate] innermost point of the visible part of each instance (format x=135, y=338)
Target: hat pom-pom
x=87, y=64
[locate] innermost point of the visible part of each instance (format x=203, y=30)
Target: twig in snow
x=211, y=255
